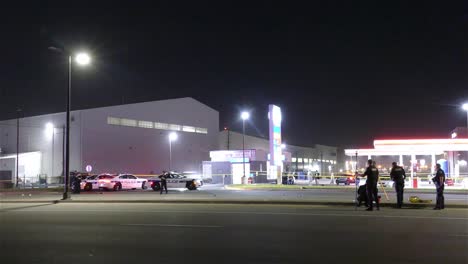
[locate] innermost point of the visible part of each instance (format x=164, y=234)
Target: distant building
x=227, y=159
x=123, y=138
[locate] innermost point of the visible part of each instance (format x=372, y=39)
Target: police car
x=116, y=183
x=175, y=180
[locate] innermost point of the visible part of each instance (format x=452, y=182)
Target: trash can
x=415, y=183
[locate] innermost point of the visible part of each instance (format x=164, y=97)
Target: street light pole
x=172, y=137
x=170, y=155
x=66, y=193
x=17, y=146
x=244, y=116
x=465, y=107
x=243, y=145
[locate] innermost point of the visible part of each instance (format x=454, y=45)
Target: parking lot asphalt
x=217, y=193
x=207, y=233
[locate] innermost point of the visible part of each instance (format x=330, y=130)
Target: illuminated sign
x=232, y=155
x=274, y=114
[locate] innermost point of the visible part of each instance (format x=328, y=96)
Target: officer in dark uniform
x=398, y=176
x=372, y=174
x=439, y=181
x=163, y=178
x=75, y=183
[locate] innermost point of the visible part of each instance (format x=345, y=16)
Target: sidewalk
x=293, y=197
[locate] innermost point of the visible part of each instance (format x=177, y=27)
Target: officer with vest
x=439, y=181
x=398, y=176
x=372, y=174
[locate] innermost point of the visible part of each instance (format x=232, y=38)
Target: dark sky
x=343, y=72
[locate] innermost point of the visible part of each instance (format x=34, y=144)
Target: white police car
x=116, y=183
x=175, y=181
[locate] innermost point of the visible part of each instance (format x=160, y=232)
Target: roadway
x=213, y=192
x=200, y=233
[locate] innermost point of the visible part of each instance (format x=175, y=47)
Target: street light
x=172, y=137
x=82, y=59
x=283, y=146
x=465, y=107
x=244, y=116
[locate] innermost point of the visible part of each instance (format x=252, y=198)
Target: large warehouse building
x=134, y=138
x=124, y=138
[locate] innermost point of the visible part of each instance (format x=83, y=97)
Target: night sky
x=343, y=72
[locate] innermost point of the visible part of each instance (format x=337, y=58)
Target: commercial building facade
x=227, y=159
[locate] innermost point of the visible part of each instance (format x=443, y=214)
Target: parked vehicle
x=345, y=179
x=174, y=180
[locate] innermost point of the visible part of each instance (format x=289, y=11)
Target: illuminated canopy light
x=245, y=115
x=82, y=58
x=172, y=136
x=283, y=146
x=454, y=134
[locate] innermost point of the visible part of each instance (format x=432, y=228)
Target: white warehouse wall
x=113, y=148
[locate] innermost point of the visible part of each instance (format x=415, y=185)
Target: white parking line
x=163, y=225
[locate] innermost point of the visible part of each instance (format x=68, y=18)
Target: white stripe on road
x=163, y=225
x=375, y=214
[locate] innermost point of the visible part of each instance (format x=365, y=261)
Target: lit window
x=128, y=122
x=201, y=130
x=145, y=124
x=188, y=129
x=158, y=125
x=306, y=160
x=299, y=160
x=113, y=121
x=293, y=159
x=174, y=127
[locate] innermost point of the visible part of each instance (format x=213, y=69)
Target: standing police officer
x=398, y=176
x=372, y=174
x=439, y=181
x=163, y=178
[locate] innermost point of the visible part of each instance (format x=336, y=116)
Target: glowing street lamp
x=82, y=58
x=244, y=116
x=172, y=137
x=465, y=107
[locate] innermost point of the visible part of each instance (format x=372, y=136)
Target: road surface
x=210, y=192
x=199, y=233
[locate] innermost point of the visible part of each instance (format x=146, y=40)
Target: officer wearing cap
x=398, y=176
x=372, y=174
x=439, y=181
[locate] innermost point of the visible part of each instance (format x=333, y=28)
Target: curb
x=250, y=202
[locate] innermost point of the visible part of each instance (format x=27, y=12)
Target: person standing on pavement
x=163, y=178
x=372, y=174
x=439, y=181
x=398, y=176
